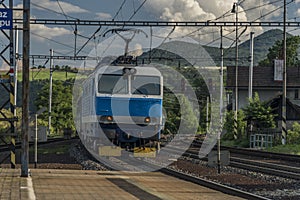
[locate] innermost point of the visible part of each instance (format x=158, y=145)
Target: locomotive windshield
x=112, y=84
x=145, y=85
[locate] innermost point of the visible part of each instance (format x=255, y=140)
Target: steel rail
x=258, y=166
x=212, y=185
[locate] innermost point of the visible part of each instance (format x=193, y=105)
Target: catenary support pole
x=25, y=89
x=221, y=101
x=50, y=91
x=35, y=142
x=283, y=123
x=235, y=10
x=12, y=95
x=251, y=65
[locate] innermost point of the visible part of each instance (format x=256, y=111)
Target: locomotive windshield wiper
x=142, y=91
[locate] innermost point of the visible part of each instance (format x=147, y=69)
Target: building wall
x=264, y=95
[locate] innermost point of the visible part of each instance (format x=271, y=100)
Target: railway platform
x=80, y=184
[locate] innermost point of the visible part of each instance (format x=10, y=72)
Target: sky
x=62, y=38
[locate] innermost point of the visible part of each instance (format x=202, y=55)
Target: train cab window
x=112, y=84
x=145, y=85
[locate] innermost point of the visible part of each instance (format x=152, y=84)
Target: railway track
x=257, y=153
x=4, y=148
x=282, y=165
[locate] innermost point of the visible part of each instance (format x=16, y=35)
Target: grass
x=58, y=150
x=42, y=74
x=288, y=149
x=243, y=143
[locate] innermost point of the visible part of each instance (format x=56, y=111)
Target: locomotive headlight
x=109, y=118
x=106, y=119
x=147, y=120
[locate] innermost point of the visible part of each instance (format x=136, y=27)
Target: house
x=266, y=84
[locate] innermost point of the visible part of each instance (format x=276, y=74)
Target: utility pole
x=50, y=90
x=235, y=10
x=207, y=113
x=25, y=90
x=251, y=65
x=221, y=101
x=283, y=123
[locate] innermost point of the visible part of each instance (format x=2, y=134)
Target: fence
x=263, y=138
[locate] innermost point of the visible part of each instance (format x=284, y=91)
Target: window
x=112, y=84
x=145, y=85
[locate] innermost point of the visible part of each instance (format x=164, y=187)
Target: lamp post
x=235, y=10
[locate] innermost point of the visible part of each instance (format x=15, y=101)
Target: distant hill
x=262, y=43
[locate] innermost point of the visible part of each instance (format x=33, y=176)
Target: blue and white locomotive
x=125, y=103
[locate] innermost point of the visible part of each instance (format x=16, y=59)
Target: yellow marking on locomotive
x=144, y=152
x=110, y=151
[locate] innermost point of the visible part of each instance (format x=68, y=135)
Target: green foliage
x=276, y=52
x=288, y=149
x=4, y=125
x=198, y=84
x=42, y=73
x=293, y=136
x=229, y=125
x=179, y=112
x=61, y=112
x=259, y=113
x=172, y=113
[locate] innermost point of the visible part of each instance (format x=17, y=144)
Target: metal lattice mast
x=7, y=81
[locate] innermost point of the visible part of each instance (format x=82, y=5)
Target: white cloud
x=103, y=16
x=199, y=10
x=48, y=32
x=53, y=5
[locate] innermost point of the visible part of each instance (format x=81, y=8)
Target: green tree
x=179, y=112
x=61, y=112
x=259, y=113
x=276, y=52
x=293, y=136
x=229, y=125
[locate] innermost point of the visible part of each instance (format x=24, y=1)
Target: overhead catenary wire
x=135, y=11
x=228, y=13
x=54, y=11
x=93, y=36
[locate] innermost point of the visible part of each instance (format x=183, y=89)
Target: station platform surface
x=84, y=184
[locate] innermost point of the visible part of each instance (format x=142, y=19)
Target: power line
x=137, y=10
x=94, y=34
x=63, y=12
x=60, y=43
x=54, y=11
x=120, y=8
x=228, y=13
